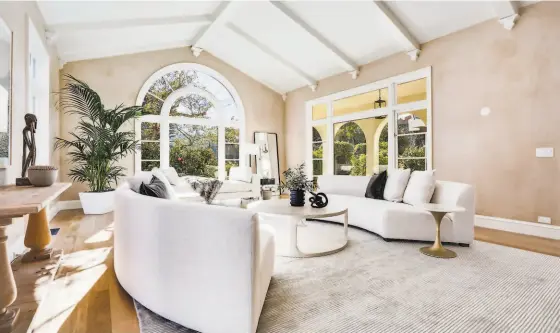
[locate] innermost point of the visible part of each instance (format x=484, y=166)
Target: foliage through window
x=372, y=128
x=190, y=121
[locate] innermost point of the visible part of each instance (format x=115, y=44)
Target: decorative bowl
x=42, y=175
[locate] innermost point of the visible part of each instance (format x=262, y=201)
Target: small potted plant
x=97, y=144
x=296, y=181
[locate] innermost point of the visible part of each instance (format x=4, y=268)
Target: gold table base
x=437, y=250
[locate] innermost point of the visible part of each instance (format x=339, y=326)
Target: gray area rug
x=375, y=286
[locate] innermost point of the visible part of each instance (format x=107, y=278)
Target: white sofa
x=205, y=267
x=399, y=221
x=241, y=183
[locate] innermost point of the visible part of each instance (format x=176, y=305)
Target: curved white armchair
x=205, y=267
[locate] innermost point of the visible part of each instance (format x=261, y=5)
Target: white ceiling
x=284, y=45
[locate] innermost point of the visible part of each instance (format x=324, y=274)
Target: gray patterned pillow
x=207, y=188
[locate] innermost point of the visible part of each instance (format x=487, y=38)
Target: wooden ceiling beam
x=311, y=82
x=345, y=61
x=128, y=23
x=219, y=18
x=411, y=44
x=506, y=12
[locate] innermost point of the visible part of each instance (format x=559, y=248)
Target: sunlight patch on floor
x=79, y=273
x=101, y=236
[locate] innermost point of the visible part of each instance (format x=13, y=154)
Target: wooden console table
x=18, y=201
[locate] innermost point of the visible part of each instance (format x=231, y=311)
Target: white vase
x=97, y=202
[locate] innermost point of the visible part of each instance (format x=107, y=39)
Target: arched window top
x=193, y=120
x=192, y=91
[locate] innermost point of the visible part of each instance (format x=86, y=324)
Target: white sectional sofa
x=241, y=183
x=205, y=267
x=399, y=221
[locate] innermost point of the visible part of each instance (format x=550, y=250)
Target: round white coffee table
x=295, y=217
x=438, y=211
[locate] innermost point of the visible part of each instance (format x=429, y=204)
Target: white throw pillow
x=171, y=175
x=396, y=185
x=420, y=188
x=244, y=174
x=170, y=191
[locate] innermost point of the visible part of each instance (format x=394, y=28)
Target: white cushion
x=234, y=186
x=244, y=174
x=420, y=188
x=171, y=175
x=170, y=191
x=346, y=185
x=396, y=185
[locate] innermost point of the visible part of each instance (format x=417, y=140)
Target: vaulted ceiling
x=284, y=45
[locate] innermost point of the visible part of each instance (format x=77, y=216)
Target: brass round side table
x=438, y=211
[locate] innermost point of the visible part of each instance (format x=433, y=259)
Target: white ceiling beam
x=411, y=44
x=265, y=49
x=128, y=23
x=506, y=12
x=344, y=60
x=219, y=18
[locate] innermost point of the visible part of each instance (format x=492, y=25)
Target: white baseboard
x=63, y=205
x=519, y=227
x=70, y=204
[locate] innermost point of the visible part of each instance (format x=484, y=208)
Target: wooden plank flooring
x=85, y=296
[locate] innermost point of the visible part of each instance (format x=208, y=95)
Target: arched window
x=193, y=120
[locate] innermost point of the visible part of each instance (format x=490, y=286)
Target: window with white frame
x=192, y=120
x=378, y=126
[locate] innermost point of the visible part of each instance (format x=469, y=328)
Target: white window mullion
x=164, y=143
x=392, y=144
x=222, y=152
x=328, y=169
x=138, y=153
x=309, y=138
x=429, y=130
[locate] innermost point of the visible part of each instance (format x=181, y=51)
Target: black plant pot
x=297, y=198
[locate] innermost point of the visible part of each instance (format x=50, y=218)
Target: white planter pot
x=97, y=202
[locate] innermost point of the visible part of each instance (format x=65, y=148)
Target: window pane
x=152, y=105
x=319, y=133
x=149, y=165
x=412, y=145
x=412, y=91
x=360, y=146
x=160, y=89
x=232, y=135
x=193, y=150
x=317, y=167
x=319, y=154
x=193, y=106
x=230, y=164
x=150, y=150
x=232, y=151
x=318, y=150
x=412, y=122
x=371, y=100
x=319, y=111
x=413, y=164
x=149, y=131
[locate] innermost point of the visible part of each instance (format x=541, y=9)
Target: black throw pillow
x=369, y=188
x=376, y=186
x=156, y=188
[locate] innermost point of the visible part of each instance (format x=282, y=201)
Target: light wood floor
x=85, y=296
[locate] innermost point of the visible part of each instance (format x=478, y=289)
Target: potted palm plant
x=97, y=143
x=296, y=181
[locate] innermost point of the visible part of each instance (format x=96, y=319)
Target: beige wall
x=119, y=79
x=16, y=15
x=515, y=73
